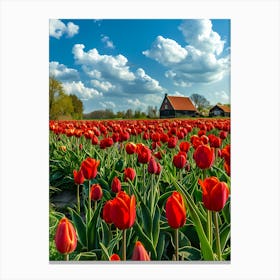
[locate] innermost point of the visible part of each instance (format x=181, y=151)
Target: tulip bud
x=129, y=173
x=179, y=161
x=116, y=185
x=65, y=237
x=78, y=177
x=152, y=166
x=130, y=148
x=115, y=257
x=96, y=192
x=204, y=156
x=175, y=210
x=140, y=253
x=106, y=213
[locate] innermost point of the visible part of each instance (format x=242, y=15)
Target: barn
x=177, y=106
x=219, y=110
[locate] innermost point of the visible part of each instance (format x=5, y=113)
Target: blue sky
x=121, y=64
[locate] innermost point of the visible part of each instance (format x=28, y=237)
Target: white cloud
x=79, y=89
x=136, y=103
x=58, y=28
x=108, y=43
x=197, y=62
x=61, y=72
x=149, y=83
x=200, y=35
x=112, y=73
x=166, y=51
x=110, y=66
x=108, y=104
x=103, y=86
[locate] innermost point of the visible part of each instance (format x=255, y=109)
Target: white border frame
x=24, y=137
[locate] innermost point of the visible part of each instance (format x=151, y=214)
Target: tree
x=77, y=106
x=61, y=104
x=200, y=102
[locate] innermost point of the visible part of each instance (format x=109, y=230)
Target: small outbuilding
x=219, y=111
x=177, y=106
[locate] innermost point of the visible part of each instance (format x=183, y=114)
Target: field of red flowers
x=142, y=190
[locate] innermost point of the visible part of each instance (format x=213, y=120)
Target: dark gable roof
x=181, y=103
x=225, y=108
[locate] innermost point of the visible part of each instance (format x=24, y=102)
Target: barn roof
x=181, y=103
x=225, y=108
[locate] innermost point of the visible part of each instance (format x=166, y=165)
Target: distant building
x=177, y=106
x=219, y=111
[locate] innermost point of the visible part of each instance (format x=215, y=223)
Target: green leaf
x=92, y=229
x=147, y=220
x=156, y=226
x=80, y=227
x=86, y=256
x=224, y=237
x=106, y=233
x=160, y=245
x=190, y=253
x=145, y=240
x=105, y=253
x=194, y=212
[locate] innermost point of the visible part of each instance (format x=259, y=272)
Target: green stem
x=124, y=245
x=95, y=205
x=66, y=257
x=89, y=202
x=177, y=244
x=209, y=227
x=78, y=199
x=218, y=243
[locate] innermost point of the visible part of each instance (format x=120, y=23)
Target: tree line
x=61, y=105
x=151, y=112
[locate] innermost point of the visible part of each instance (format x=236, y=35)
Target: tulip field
x=139, y=190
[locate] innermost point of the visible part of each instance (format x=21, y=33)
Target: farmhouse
x=177, y=106
x=219, y=110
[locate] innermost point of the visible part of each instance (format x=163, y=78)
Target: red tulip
x=140, y=253
x=94, y=140
x=78, y=177
x=215, y=141
x=89, y=168
x=96, y=192
x=115, y=257
x=123, y=210
x=204, y=156
x=144, y=154
x=129, y=173
x=184, y=146
x=179, y=160
x=172, y=142
x=116, y=185
x=130, y=148
x=65, y=237
x=152, y=166
x=106, y=213
x=223, y=135
x=175, y=210
x=214, y=193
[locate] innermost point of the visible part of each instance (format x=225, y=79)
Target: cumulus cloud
x=58, y=29
x=103, y=86
x=61, y=72
x=200, y=35
x=198, y=61
x=108, y=43
x=110, y=66
x=79, y=89
x=113, y=74
x=108, y=104
x=166, y=51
